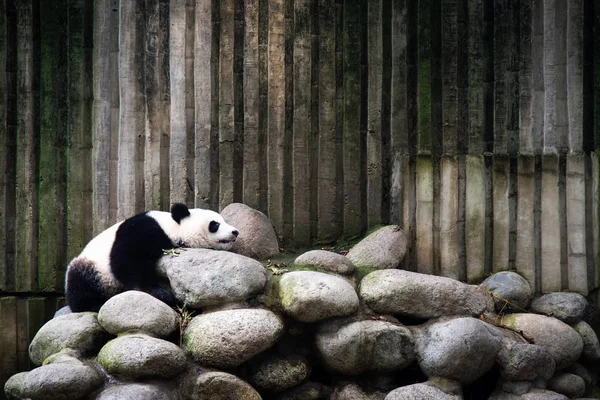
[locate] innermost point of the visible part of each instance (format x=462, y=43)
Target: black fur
x=179, y=211
x=138, y=245
x=86, y=292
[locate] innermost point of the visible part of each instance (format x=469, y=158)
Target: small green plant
x=185, y=316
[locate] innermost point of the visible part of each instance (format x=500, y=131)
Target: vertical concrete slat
x=550, y=226
x=450, y=54
x=424, y=215
x=538, y=113
x=3, y=145
x=449, y=217
x=8, y=339
x=501, y=213
x=476, y=77
x=424, y=71
x=550, y=143
x=475, y=217
x=574, y=50
x=576, y=231
x=525, y=252
x=526, y=65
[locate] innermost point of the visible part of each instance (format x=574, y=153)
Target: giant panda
x=125, y=256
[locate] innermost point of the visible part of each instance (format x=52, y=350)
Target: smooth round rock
x=14, y=385
x=61, y=382
x=533, y=394
x=525, y=362
x=204, y=277
x=306, y=391
x=510, y=290
x=558, y=338
x=135, y=311
x=591, y=346
x=276, y=374
x=383, y=249
x=461, y=349
x=217, y=385
x=568, y=307
x=326, y=261
x=309, y=296
x=228, y=338
x=78, y=331
x=141, y=356
x=352, y=391
x=395, y=291
x=257, y=238
x=66, y=356
x=352, y=348
x=137, y=391
x=420, y=391
x=570, y=385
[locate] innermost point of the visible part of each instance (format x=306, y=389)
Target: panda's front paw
x=171, y=252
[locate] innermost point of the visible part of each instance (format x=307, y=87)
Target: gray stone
x=78, y=331
x=591, y=380
x=65, y=356
x=533, y=394
x=137, y=391
x=516, y=387
x=382, y=249
x=306, y=391
x=278, y=373
x=420, y=391
x=204, y=277
x=216, y=385
x=511, y=292
x=591, y=346
x=141, y=356
x=545, y=331
x=229, y=338
x=313, y=296
x=62, y=311
x=462, y=349
x=568, y=307
x=14, y=385
x=525, y=362
x=352, y=391
x=61, y=382
x=395, y=291
x=327, y=261
x=135, y=311
x=257, y=237
x=570, y=385
x=355, y=347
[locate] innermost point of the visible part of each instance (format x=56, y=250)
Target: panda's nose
x=235, y=233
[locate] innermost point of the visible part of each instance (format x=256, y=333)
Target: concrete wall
x=472, y=124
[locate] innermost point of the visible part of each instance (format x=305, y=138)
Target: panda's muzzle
x=233, y=239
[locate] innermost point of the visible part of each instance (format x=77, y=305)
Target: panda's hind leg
x=84, y=288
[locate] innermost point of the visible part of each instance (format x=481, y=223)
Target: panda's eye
x=213, y=226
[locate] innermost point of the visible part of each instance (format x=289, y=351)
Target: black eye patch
x=213, y=226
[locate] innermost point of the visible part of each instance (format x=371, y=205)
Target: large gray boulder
x=137, y=391
x=278, y=373
x=77, y=331
x=420, y=391
x=326, y=261
x=568, y=307
x=309, y=296
x=461, y=349
x=14, y=386
x=257, y=238
x=216, y=385
x=61, y=382
x=355, y=347
x=511, y=292
x=558, y=338
x=135, y=311
x=533, y=394
x=570, y=385
x=383, y=249
x=306, y=391
x=395, y=291
x=525, y=362
x=591, y=346
x=141, y=356
x=228, y=338
x=204, y=277
x=352, y=391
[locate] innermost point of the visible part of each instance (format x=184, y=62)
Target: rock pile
x=315, y=331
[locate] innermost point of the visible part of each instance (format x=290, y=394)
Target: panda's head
x=201, y=228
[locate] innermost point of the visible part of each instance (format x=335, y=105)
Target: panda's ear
x=179, y=211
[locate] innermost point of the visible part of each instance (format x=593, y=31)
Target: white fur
x=194, y=230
